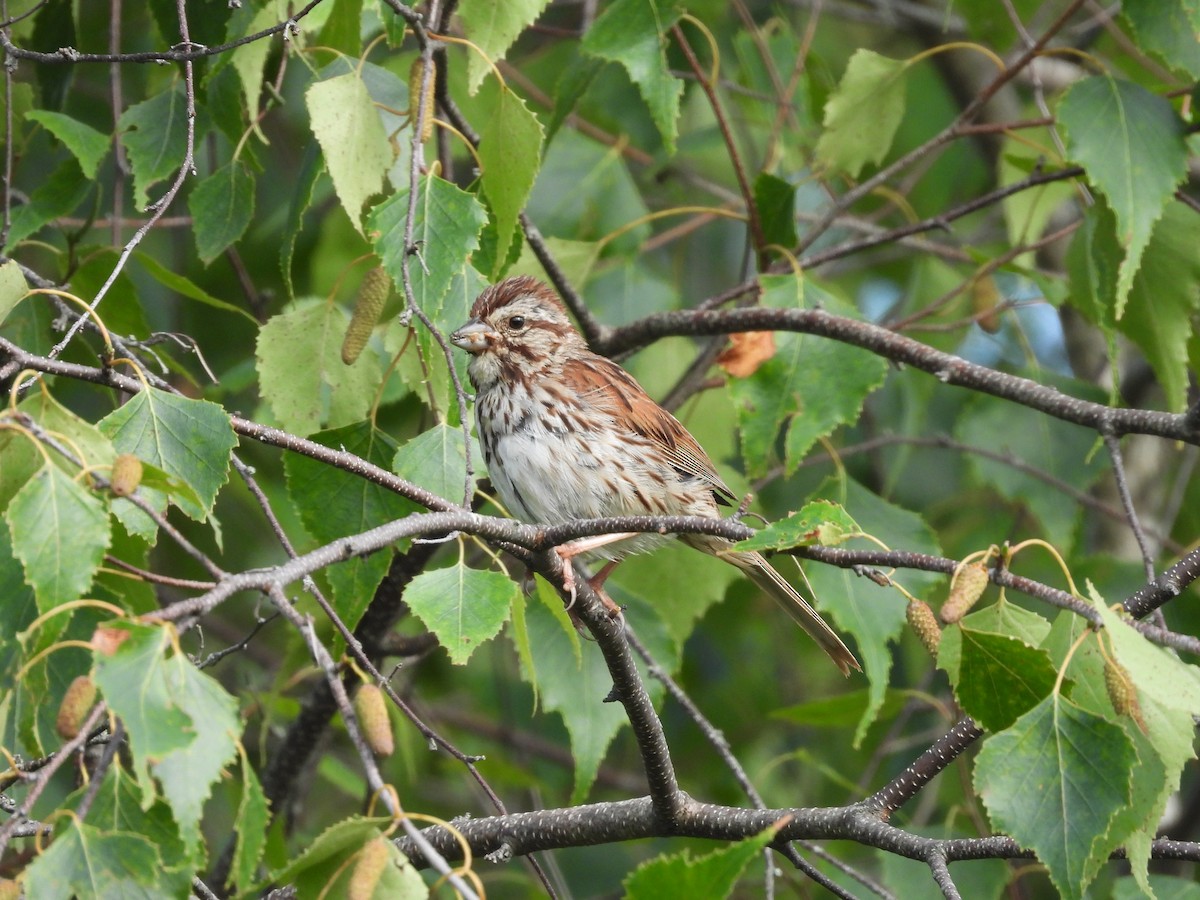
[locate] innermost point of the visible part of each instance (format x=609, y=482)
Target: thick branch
x=501, y=837
x=944, y=366
x=1169, y=585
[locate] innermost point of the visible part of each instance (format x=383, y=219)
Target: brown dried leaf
x=747, y=351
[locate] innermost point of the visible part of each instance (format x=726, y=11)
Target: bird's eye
x=516, y=323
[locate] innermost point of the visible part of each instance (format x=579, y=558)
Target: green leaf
x=59, y=531
x=157, y=489
x=342, y=31
x=182, y=724
x=1092, y=262
x=1027, y=212
x=767, y=401
x=632, y=33
x=776, y=203
x=221, y=205
x=688, y=581
x=1059, y=449
x=492, y=27
x=130, y=672
x=484, y=257
x=1168, y=29
x=88, y=145
x=186, y=287
x=86, y=861
x=123, y=310
x=207, y=23
x=39, y=689
x=573, y=82
x=117, y=806
x=863, y=113
x=820, y=522
x=575, y=258
x=518, y=633
x=845, y=710
x=219, y=93
x=1168, y=695
x=138, y=597
x=811, y=385
x=154, y=133
x=253, y=817
x=430, y=382
x=1165, y=887
x=435, y=460
x=20, y=608
x=333, y=504
x=54, y=26
x=446, y=228
x=324, y=390
x=302, y=196
x=1165, y=298
x=1054, y=782
x=832, y=381
x=58, y=195
x=21, y=458
x=874, y=616
x=1005, y=617
x=463, y=607
x=510, y=149
x=573, y=680
x=585, y=190
x=1131, y=143
x=325, y=867
x=1137, y=822
x=191, y=440
x=997, y=678
x=250, y=59
x=347, y=126
x=712, y=875
x=22, y=104
x=13, y=287
x=188, y=774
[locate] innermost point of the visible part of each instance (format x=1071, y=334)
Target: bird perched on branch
x=568, y=434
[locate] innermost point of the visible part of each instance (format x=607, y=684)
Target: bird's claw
x=568, y=576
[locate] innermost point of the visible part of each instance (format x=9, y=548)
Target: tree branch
x=946, y=367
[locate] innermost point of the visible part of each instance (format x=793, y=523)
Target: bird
x=568, y=434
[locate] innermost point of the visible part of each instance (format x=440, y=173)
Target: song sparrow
x=568, y=434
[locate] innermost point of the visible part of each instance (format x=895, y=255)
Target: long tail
x=761, y=573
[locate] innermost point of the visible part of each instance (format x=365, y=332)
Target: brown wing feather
x=615, y=391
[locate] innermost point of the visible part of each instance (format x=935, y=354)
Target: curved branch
x=1169, y=585
x=68, y=55
x=946, y=367
x=501, y=837
x=922, y=770
x=933, y=223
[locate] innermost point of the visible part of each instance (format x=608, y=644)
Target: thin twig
x=374, y=779
x=71, y=56
x=754, y=220
x=39, y=781
x=160, y=206
x=1113, y=444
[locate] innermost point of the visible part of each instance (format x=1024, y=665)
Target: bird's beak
x=474, y=337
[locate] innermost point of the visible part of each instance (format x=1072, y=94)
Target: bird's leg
x=595, y=542
x=566, y=552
